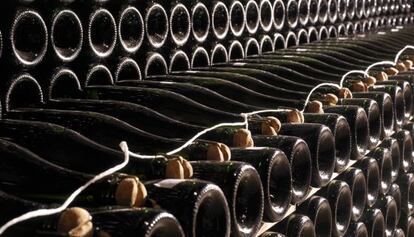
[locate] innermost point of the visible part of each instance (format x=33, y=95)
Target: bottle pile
x=80, y=77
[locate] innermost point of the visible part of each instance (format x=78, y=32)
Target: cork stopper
x=243, y=138
x=331, y=99
x=315, y=107
x=178, y=168
x=370, y=80
x=275, y=123
x=267, y=129
x=408, y=64
x=225, y=150
x=400, y=66
x=345, y=93
x=75, y=222
x=295, y=116
x=359, y=87
x=130, y=192
x=214, y=153
x=382, y=76
x=392, y=71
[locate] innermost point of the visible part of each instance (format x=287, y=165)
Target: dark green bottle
x=274, y=170
x=200, y=206
x=370, y=168
x=357, y=229
x=319, y=211
x=355, y=179
x=358, y=123
x=374, y=221
x=388, y=207
x=28, y=176
x=384, y=160
x=296, y=225
x=298, y=154
x=339, y=197
x=128, y=222
x=373, y=112
x=405, y=144
x=342, y=133
x=138, y=116
x=180, y=107
x=391, y=144
x=71, y=150
x=321, y=143
x=243, y=189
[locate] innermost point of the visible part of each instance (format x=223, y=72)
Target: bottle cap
x=295, y=116
x=370, y=80
x=214, y=153
x=400, y=66
x=243, y=138
x=345, y=93
x=267, y=128
x=315, y=107
x=225, y=150
x=130, y=192
x=76, y=222
x=392, y=71
x=359, y=87
x=331, y=99
x=382, y=76
x=275, y=123
x=408, y=64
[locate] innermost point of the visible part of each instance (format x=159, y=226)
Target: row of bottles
x=231, y=178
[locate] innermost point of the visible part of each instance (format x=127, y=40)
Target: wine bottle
x=296, y=225
x=146, y=222
x=250, y=82
x=405, y=144
x=388, y=207
x=384, y=160
x=392, y=145
x=355, y=179
x=395, y=192
x=398, y=233
x=272, y=234
x=398, y=101
x=372, y=178
x=233, y=91
x=357, y=229
x=407, y=225
x=71, y=150
x=71, y=222
x=358, y=122
x=407, y=93
x=28, y=33
x=406, y=184
x=274, y=170
x=66, y=32
x=318, y=210
x=199, y=206
x=298, y=154
x=243, y=189
x=385, y=102
x=339, y=197
x=197, y=93
x=322, y=146
x=136, y=115
x=146, y=98
x=374, y=221
x=373, y=112
x=111, y=131
x=341, y=131
x=26, y=175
